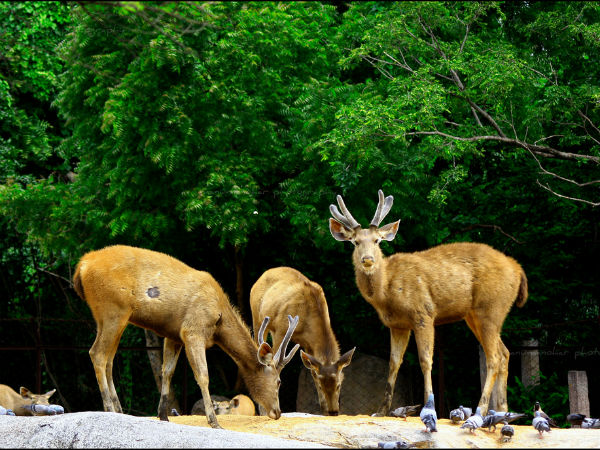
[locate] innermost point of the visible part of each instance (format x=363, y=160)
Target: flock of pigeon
x=471, y=422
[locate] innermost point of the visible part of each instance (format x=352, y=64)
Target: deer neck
x=233, y=336
x=371, y=281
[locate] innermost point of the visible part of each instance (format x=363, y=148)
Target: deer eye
x=278, y=383
x=378, y=240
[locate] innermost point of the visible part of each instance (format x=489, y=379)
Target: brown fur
x=240, y=405
x=283, y=290
x=450, y=282
x=10, y=399
x=123, y=284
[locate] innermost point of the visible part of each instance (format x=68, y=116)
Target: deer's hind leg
x=102, y=354
x=171, y=351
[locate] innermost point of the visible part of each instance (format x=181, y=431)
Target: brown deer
x=10, y=399
x=240, y=405
x=123, y=284
x=446, y=283
x=283, y=290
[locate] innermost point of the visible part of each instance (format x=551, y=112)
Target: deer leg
x=102, y=354
x=424, y=335
x=500, y=386
x=399, y=341
x=171, y=350
x=196, y=353
x=489, y=338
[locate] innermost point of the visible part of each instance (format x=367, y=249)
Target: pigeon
x=590, y=423
x=174, y=412
x=428, y=415
x=540, y=423
x=493, y=418
x=550, y=420
x=460, y=413
x=40, y=410
x=397, y=444
x=6, y=412
x=575, y=419
x=507, y=432
x=473, y=422
x=404, y=411
x=57, y=409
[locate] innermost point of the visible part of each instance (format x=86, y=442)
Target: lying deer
x=123, y=284
x=282, y=291
x=20, y=402
x=240, y=405
x=447, y=283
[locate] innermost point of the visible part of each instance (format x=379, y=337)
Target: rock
x=362, y=390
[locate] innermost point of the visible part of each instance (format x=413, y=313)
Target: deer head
x=343, y=227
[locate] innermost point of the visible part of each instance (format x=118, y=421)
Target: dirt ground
x=366, y=432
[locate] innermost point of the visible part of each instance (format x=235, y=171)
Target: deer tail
x=523, y=291
x=77, y=285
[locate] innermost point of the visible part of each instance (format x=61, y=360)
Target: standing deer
x=123, y=284
x=281, y=291
x=444, y=284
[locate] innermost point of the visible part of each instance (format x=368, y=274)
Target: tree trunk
x=239, y=293
x=155, y=357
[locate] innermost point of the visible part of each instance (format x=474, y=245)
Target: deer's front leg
x=171, y=350
x=399, y=342
x=424, y=335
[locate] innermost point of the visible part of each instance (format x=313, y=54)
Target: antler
x=346, y=218
x=261, y=331
x=383, y=208
x=293, y=322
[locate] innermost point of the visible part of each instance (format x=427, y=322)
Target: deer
x=416, y=291
x=188, y=307
x=240, y=405
x=20, y=402
x=284, y=290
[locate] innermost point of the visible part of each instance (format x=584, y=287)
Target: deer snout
x=275, y=414
x=367, y=261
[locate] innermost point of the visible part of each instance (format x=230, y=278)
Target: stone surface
x=362, y=390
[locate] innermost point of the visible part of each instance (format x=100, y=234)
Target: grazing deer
x=282, y=291
x=10, y=399
x=447, y=283
x=240, y=405
x=123, y=284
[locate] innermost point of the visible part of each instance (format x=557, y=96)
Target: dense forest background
x=221, y=132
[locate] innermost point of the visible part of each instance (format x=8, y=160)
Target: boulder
x=198, y=408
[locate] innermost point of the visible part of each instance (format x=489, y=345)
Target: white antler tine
x=349, y=219
x=261, y=331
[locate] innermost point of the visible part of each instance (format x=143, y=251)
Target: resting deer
x=123, y=284
x=240, y=405
x=447, y=283
x=282, y=291
x=19, y=402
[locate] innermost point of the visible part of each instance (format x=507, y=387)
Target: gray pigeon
x=473, y=422
x=507, y=432
x=460, y=413
x=493, y=418
x=41, y=410
x=540, y=423
x=575, y=419
x=550, y=420
x=404, y=411
x=6, y=412
x=174, y=412
x=396, y=444
x=57, y=409
x=428, y=415
x=590, y=423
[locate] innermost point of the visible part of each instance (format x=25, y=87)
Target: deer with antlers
x=123, y=284
x=283, y=290
x=417, y=291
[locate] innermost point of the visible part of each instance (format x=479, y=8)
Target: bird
x=550, y=420
x=590, y=423
x=397, y=444
x=6, y=412
x=540, y=423
x=493, y=418
x=473, y=422
x=174, y=412
x=428, y=415
x=507, y=431
x=41, y=410
x=404, y=411
x=57, y=409
x=575, y=419
x=460, y=413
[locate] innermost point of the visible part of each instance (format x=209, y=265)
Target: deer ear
x=339, y=231
x=236, y=402
x=265, y=354
x=345, y=359
x=25, y=392
x=310, y=361
x=388, y=232
x=49, y=393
